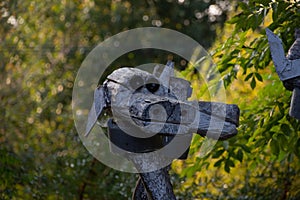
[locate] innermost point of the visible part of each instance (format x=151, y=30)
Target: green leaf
x=253, y=83
x=283, y=143
x=230, y=163
x=259, y=77
x=297, y=148
x=282, y=6
x=218, y=153
x=285, y=129
x=261, y=122
x=248, y=76
x=235, y=19
x=263, y=2
x=274, y=147
x=281, y=155
x=253, y=166
x=243, y=5
x=240, y=155
x=227, y=167
x=219, y=162
x=252, y=22
x=275, y=11
x=245, y=148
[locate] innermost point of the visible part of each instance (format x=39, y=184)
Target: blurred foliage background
x=42, y=45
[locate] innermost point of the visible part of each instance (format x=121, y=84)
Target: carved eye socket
x=152, y=84
x=136, y=82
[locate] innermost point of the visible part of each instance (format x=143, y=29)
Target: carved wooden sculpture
x=148, y=112
x=287, y=67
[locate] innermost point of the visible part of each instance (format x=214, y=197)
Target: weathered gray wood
x=295, y=103
x=154, y=186
x=140, y=192
x=288, y=68
x=229, y=112
x=157, y=184
x=97, y=107
x=166, y=74
x=154, y=108
x=294, y=84
x=285, y=68
x=294, y=50
x=214, y=118
x=180, y=88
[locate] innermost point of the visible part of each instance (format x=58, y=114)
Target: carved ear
x=181, y=88
x=96, y=109
x=165, y=74
x=276, y=49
